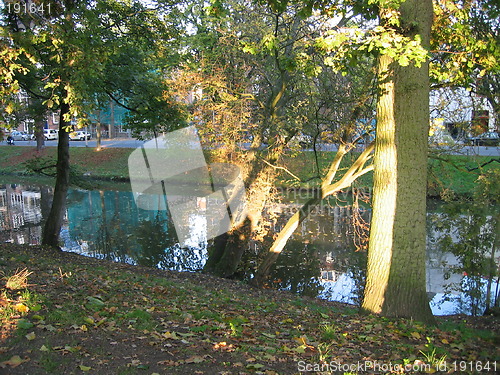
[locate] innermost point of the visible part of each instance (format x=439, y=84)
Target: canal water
x=324, y=258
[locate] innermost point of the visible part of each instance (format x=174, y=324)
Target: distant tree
x=73, y=46
x=465, y=47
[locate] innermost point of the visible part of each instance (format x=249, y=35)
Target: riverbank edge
x=111, y=165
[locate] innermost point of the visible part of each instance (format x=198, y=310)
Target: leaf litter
x=85, y=315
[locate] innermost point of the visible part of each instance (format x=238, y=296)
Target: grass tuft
x=19, y=280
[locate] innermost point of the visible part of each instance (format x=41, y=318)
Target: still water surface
x=320, y=260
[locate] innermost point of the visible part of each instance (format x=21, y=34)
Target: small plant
x=324, y=351
x=328, y=333
x=433, y=359
x=18, y=281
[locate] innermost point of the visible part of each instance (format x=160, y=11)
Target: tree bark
x=395, y=285
x=227, y=250
x=53, y=224
x=111, y=130
x=98, y=134
x=38, y=131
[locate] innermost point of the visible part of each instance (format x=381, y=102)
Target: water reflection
x=21, y=213
x=320, y=260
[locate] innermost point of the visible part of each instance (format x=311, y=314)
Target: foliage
x=465, y=41
x=81, y=54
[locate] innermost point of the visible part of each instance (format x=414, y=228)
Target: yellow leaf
x=9, y=109
x=44, y=349
x=170, y=335
x=444, y=341
x=31, y=336
x=85, y=368
x=416, y=335
x=84, y=328
x=300, y=349
x=14, y=361
x=22, y=308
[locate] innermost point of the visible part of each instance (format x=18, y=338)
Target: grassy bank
x=109, y=163
x=62, y=313
x=446, y=173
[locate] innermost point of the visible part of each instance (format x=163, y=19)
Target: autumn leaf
x=31, y=336
x=195, y=359
x=14, y=361
x=22, y=308
x=170, y=335
x=85, y=368
x=416, y=335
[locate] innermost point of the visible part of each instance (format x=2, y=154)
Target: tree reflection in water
x=321, y=259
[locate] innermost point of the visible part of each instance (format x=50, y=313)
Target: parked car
x=79, y=135
x=50, y=134
x=19, y=136
x=485, y=139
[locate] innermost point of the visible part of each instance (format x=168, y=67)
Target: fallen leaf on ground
x=195, y=359
x=22, y=308
x=14, y=361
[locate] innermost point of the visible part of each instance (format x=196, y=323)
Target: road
x=134, y=143
x=115, y=142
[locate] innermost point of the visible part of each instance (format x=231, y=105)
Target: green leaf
x=24, y=324
x=95, y=303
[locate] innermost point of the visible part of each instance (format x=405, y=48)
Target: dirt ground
x=79, y=315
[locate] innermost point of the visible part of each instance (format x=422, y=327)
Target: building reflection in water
x=21, y=213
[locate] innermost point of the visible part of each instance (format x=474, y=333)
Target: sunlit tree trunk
x=53, y=224
x=98, y=130
x=396, y=277
x=227, y=250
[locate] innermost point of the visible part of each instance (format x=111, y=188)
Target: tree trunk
x=53, y=224
x=396, y=277
x=38, y=131
x=98, y=133
x=328, y=188
x=111, y=130
x=227, y=249
x=279, y=243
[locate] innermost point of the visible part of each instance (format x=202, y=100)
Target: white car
x=50, y=134
x=19, y=136
x=79, y=135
